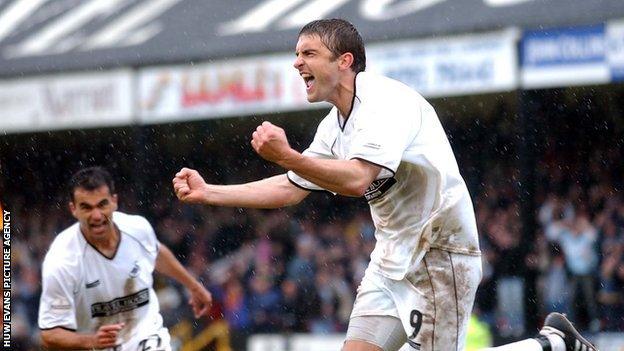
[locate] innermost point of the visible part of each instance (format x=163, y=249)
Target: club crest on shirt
x=378, y=188
x=135, y=269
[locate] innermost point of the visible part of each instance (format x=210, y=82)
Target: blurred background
x=529, y=91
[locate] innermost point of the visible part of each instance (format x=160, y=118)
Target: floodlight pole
x=527, y=149
x=142, y=165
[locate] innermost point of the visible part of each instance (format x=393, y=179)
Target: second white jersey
x=83, y=289
x=419, y=200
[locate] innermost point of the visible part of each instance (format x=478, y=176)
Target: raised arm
x=273, y=192
x=345, y=177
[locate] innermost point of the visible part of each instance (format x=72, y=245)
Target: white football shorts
x=433, y=303
x=159, y=341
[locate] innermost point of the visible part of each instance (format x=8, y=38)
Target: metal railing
x=217, y=332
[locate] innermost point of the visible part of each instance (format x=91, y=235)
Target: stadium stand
x=296, y=270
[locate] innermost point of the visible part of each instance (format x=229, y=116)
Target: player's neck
x=343, y=97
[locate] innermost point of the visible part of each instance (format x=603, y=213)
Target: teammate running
x=97, y=276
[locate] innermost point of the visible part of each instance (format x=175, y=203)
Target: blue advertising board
x=564, y=56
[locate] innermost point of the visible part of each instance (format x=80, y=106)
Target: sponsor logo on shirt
x=93, y=284
x=373, y=146
x=378, y=188
x=120, y=304
x=60, y=303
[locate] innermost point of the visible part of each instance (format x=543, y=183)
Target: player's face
x=318, y=67
x=94, y=210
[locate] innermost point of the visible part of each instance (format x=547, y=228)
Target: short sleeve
x=141, y=230
x=147, y=237
x=319, y=148
x=383, y=135
x=152, y=241
x=57, y=305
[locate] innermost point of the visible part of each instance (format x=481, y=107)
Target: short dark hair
x=339, y=36
x=90, y=179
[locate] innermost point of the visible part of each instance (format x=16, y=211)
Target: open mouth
x=98, y=226
x=308, y=80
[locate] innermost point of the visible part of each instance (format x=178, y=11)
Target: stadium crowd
x=297, y=269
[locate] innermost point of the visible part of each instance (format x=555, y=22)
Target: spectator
x=610, y=294
x=577, y=237
x=263, y=304
x=556, y=286
x=301, y=267
x=235, y=305
x=298, y=305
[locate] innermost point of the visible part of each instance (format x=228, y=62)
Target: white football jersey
x=83, y=289
x=419, y=200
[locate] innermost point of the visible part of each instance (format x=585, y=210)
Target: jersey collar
x=344, y=124
x=96, y=249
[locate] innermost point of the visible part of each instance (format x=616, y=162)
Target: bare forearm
x=345, y=177
x=271, y=192
x=62, y=339
x=168, y=264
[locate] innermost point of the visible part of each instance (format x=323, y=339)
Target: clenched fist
x=270, y=142
x=189, y=186
x=106, y=336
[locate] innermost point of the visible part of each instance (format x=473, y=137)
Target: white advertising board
x=333, y=342
x=236, y=87
x=440, y=67
x=66, y=101
x=299, y=342
x=615, y=49
x=451, y=66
